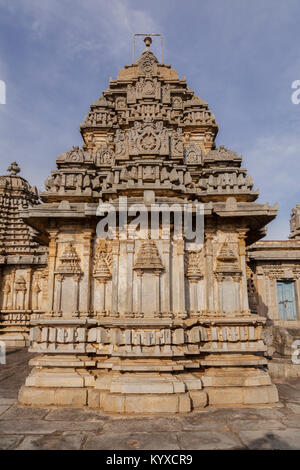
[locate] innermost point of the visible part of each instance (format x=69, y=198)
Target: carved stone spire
x=148, y=257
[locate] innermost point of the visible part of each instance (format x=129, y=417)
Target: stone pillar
x=218, y=294
x=166, y=300
x=58, y=289
x=102, y=285
x=139, y=292
x=28, y=287
x=157, y=293
x=85, y=297
x=209, y=272
x=244, y=301
x=180, y=310
x=122, y=278
x=130, y=251
x=13, y=296
x=194, y=295
x=274, y=297
x=115, y=277
x=261, y=293
x=76, y=295
x=52, y=265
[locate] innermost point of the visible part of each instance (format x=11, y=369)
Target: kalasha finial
x=14, y=168
x=148, y=41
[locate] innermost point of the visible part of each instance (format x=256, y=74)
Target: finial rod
x=148, y=42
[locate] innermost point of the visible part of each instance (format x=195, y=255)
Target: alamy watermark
x=2, y=92
x=2, y=352
x=155, y=221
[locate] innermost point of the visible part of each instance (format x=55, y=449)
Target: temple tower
x=140, y=323
x=23, y=260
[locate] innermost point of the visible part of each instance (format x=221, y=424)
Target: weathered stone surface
x=28, y=426
x=9, y=442
x=145, y=424
x=204, y=423
x=133, y=441
x=57, y=442
x=211, y=428
x=203, y=440
x=288, y=439
x=199, y=399
x=17, y=412
x=253, y=425
x=75, y=414
x=294, y=407
x=3, y=408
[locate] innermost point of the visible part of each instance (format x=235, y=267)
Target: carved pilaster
x=166, y=299
x=209, y=271
x=242, y=256
x=130, y=251
x=115, y=277
x=85, y=301
x=180, y=307
x=52, y=266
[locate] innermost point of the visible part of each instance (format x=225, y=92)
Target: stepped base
x=239, y=386
x=115, y=392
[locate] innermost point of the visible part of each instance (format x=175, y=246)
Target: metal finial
x=148, y=41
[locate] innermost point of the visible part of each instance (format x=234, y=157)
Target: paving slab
x=28, y=426
x=8, y=401
x=260, y=427
x=75, y=414
x=288, y=392
x=294, y=407
x=10, y=442
x=238, y=425
x=202, y=423
x=52, y=442
x=21, y=412
x=3, y=408
x=230, y=413
x=145, y=424
x=292, y=421
x=209, y=440
x=288, y=439
x=133, y=441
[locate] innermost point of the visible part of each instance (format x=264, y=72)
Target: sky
x=241, y=56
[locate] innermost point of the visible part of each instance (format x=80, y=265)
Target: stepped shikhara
x=22, y=260
x=139, y=324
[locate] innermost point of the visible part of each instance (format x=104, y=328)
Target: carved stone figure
x=193, y=154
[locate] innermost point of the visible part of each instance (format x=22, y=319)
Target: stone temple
x=131, y=323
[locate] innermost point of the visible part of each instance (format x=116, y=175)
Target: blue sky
x=241, y=56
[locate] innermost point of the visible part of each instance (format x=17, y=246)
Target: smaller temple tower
x=295, y=223
x=22, y=260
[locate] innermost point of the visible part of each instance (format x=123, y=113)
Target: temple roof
x=149, y=131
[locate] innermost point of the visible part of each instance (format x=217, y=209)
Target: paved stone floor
x=276, y=427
